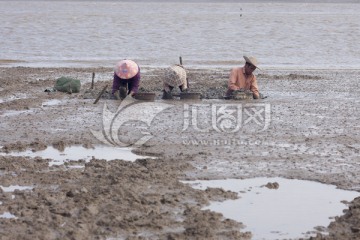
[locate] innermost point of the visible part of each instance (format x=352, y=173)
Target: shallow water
x=15, y=187
x=291, y=211
x=15, y=112
x=216, y=34
x=14, y=97
x=52, y=102
x=79, y=153
x=7, y=215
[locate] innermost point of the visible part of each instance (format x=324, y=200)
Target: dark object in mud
x=145, y=96
x=167, y=95
x=122, y=92
x=101, y=93
x=273, y=185
x=117, y=95
x=190, y=95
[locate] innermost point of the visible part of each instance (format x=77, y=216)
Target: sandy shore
x=308, y=128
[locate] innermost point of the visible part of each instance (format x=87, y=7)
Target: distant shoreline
x=198, y=1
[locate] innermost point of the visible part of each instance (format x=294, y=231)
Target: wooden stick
x=92, y=81
x=187, y=79
x=101, y=93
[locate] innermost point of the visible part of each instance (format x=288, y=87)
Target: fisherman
x=174, y=76
x=126, y=79
x=243, y=79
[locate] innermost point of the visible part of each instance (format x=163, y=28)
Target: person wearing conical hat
x=174, y=76
x=242, y=78
x=126, y=79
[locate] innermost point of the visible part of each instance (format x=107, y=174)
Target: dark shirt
x=131, y=83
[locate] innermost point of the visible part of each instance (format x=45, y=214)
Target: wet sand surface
x=307, y=128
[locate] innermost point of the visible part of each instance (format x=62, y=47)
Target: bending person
x=242, y=78
x=126, y=79
x=175, y=76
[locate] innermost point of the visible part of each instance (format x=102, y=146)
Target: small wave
x=218, y=62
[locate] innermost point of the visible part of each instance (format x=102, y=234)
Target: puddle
x=290, y=211
x=15, y=187
x=14, y=112
x=52, y=102
x=14, y=97
x=75, y=166
x=76, y=153
x=7, y=215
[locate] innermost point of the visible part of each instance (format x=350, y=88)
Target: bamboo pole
x=92, y=81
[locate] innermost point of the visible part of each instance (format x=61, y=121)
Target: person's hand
x=117, y=95
x=239, y=90
x=182, y=88
x=262, y=96
x=128, y=97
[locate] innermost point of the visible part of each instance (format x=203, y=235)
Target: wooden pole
x=101, y=93
x=187, y=79
x=92, y=81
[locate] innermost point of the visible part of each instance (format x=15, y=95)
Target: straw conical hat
x=175, y=76
x=252, y=60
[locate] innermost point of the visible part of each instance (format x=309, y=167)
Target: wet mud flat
x=306, y=129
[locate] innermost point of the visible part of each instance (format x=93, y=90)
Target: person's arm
x=135, y=83
x=233, y=80
x=184, y=86
x=116, y=83
x=254, y=88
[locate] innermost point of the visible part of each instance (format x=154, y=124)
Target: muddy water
x=273, y=208
x=36, y=33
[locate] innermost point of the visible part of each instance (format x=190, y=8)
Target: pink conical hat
x=126, y=69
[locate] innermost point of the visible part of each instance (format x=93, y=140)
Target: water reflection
x=290, y=211
x=79, y=153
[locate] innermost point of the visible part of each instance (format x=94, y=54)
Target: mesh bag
x=66, y=84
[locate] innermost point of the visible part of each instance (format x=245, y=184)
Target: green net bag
x=67, y=84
